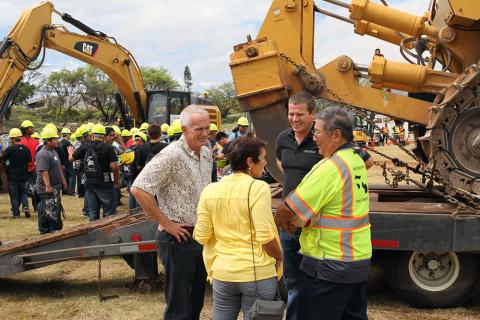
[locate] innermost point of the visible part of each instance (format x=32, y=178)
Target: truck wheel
x=433, y=279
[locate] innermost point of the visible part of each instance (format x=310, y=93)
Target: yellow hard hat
x=213, y=127
x=48, y=132
x=116, y=129
x=164, y=127
x=126, y=133
x=35, y=135
x=144, y=126
x=66, y=131
x=177, y=127
x=170, y=131
x=15, y=133
x=242, y=121
x=26, y=124
x=142, y=135
x=73, y=137
x=133, y=130
x=52, y=126
x=98, y=129
x=127, y=157
x=88, y=127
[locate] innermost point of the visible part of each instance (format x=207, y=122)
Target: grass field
x=69, y=290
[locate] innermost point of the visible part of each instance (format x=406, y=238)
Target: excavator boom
x=34, y=31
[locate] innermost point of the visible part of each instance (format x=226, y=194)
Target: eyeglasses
x=316, y=132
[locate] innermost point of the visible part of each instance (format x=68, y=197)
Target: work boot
x=26, y=211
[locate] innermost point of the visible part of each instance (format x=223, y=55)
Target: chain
x=471, y=204
x=101, y=297
x=99, y=277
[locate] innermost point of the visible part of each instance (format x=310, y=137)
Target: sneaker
x=26, y=211
x=85, y=214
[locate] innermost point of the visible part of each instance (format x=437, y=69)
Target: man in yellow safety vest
x=331, y=204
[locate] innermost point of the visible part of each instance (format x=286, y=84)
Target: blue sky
x=200, y=34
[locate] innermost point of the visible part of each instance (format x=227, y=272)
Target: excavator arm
x=34, y=32
x=279, y=62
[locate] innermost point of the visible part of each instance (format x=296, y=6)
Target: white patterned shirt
x=177, y=176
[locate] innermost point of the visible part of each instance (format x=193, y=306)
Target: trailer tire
x=433, y=279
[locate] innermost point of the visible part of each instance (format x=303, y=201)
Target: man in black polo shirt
x=101, y=171
x=297, y=153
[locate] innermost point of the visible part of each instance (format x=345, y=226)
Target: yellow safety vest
x=334, y=205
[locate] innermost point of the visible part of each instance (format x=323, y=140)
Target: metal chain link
x=471, y=204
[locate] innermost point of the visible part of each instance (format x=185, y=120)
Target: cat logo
x=88, y=48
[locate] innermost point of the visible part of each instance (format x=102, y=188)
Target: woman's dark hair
x=242, y=148
x=154, y=131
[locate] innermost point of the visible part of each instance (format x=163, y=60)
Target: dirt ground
x=69, y=290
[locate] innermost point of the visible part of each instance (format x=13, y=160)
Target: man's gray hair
x=185, y=115
x=337, y=118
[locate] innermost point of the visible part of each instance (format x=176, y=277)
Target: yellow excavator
x=24, y=49
x=442, y=52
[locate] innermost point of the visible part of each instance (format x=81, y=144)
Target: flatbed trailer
x=431, y=255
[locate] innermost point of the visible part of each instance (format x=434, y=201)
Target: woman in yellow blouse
x=223, y=227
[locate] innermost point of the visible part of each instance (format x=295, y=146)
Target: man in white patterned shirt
x=176, y=176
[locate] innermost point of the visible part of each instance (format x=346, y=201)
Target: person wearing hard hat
x=144, y=127
x=133, y=169
x=126, y=137
x=28, y=129
x=110, y=138
x=164, y=127
x=240, y=130
x=130, y=142
x=49, y=183
x=101, y=173
x=83, y=138
x=68, y=172
x=211, y=137
x=15, y=161
x=176, y=130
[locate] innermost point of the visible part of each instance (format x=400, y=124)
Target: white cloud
x=200, y=34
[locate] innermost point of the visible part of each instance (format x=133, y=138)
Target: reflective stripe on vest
x=334, y=223
x=347, y=192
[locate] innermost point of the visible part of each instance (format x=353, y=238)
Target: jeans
x=16, y=191
x=46, y=225
x=291, y=270
x=100, y=197
x=32, y=177
x=70, y=176
x=228, y=297
x=185, y=276
x=132, y=202
x=331, y=301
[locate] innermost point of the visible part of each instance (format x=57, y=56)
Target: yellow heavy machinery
x=34, y=32
x=431, y=255
x=442, y=50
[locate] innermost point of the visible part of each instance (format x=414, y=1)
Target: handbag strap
x=251, y=236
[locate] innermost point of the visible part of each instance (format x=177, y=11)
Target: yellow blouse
x=223, y=227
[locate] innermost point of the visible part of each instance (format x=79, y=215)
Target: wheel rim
x=434, y=271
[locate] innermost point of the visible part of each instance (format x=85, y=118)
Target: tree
x=157, y=79
x=99, y=92
x=224, y=97
x=28, y=87
x=63, y=91
x=187, y=78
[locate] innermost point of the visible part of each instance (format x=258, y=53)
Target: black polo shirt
x=297, y=159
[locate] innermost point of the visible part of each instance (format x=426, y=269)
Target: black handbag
x=263, y=309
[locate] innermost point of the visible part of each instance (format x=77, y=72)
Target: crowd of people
x=225, y=231
x=215, y=215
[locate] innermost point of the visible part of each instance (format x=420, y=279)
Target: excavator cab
x=164, y=106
